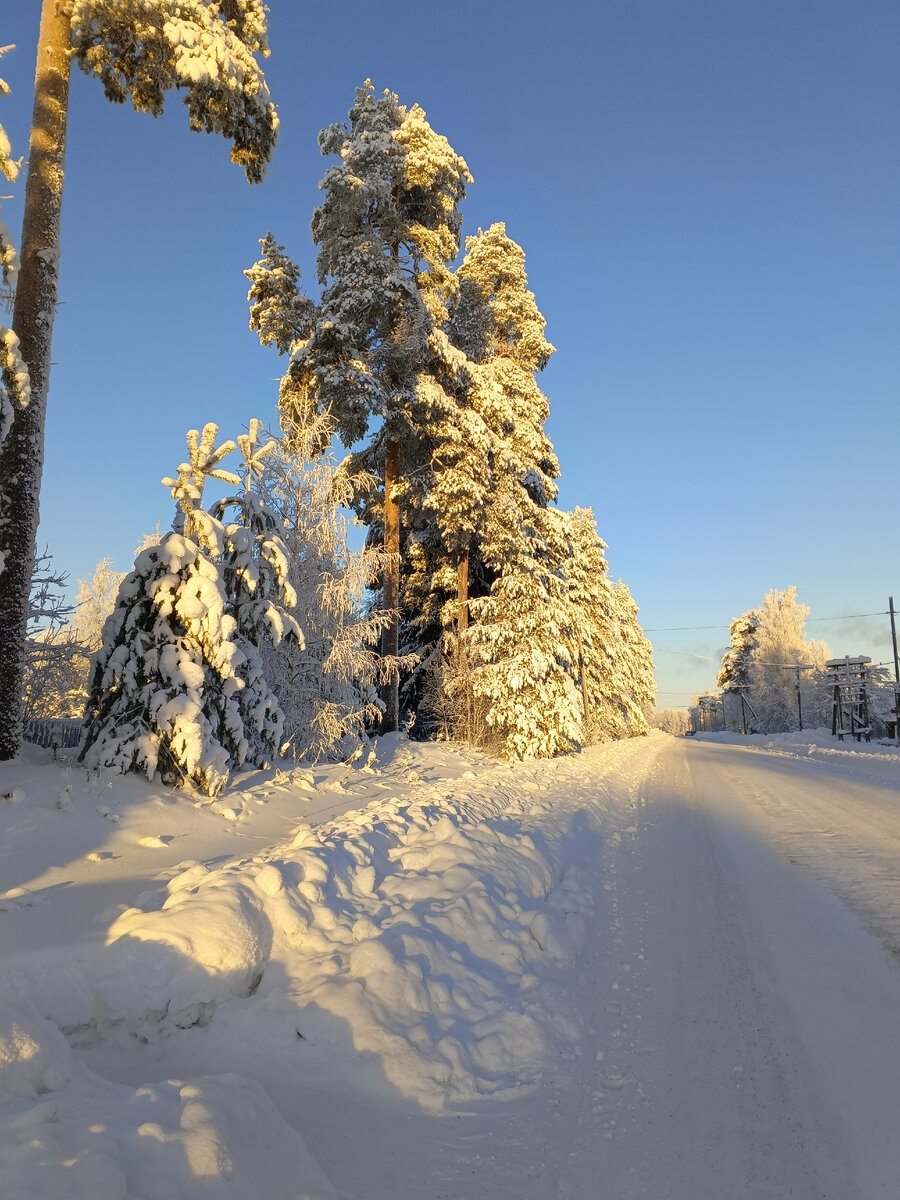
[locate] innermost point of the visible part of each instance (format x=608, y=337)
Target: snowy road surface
x=748, y=1028
x=661, y=970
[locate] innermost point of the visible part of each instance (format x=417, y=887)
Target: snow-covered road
x=748, y=1027
x=664, y=969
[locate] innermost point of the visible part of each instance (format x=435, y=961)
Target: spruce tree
x=140, y=50
x=178, y=688
x=521, y=670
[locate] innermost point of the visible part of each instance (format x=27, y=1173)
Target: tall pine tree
x=140, y=50
x=387, y=229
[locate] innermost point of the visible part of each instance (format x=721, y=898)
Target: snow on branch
x=141, y=49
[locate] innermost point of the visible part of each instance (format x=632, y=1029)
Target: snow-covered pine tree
x=633, y=686
x=280, y=314
x=209, y=49
x=386, y=231
x=494, y=471
x=166, y=687
x=162, y=697
x=735, y=669
x=591, y=630
x=140, y=49
x=497, y=324
x=734, y=673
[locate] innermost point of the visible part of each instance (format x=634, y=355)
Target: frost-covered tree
x=781, y=648
x=254, y=569
x=94, y=601
x=386, y=231
x=497, y=324
x=62, y=637
x=177, y=688
x=328, y=691
x=676, y=721
x=634, y=688
x=140, y=50
x=56, y=661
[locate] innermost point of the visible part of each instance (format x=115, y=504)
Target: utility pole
x=896, y=672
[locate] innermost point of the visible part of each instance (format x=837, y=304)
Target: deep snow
x=624, y=972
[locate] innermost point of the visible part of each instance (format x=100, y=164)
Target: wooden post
x=22, y=459
x=390, y=638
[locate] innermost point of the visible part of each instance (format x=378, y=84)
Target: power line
x=810, y=620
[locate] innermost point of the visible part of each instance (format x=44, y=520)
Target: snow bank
x=413, y=933
x=95, y=1140
x=878, y=759
x=88, y=1139
x=414, y=950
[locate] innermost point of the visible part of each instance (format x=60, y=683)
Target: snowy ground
x=663, y=968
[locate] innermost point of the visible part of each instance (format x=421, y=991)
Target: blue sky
x=707, y=192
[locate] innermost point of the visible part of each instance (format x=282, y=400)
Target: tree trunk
x=390, y=638
x=585, y=699
x=22, y=458
x=462, y=624
x=462, y=590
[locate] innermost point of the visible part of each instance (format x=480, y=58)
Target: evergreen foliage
x=403, y=352
x=15, y=387
x=178, y=688
x=141, y=49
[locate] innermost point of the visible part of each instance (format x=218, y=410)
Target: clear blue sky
x=708, y=193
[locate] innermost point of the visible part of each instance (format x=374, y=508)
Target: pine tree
x=633, y=687
x=279, y=312
x=735, y=670
x=590, y=626
x=140, y=49
x=491, y=461
x=386, y=231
